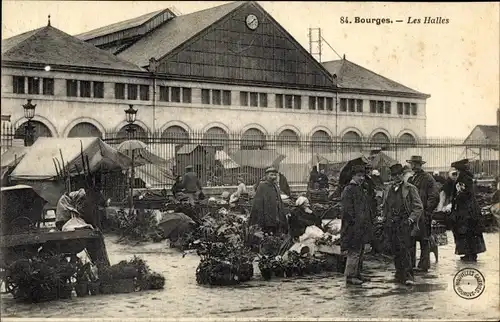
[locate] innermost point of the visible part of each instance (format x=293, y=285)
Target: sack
x=75, y=223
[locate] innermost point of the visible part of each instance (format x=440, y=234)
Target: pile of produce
x=224, y=264
x=40, y=278
x=138, y=226
x=129, y=276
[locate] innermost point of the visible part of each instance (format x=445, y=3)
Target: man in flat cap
x=429, y=194
x=402, y=209
x=356, y=228
x=191, y=184
x=267, y=207
x=465, y=213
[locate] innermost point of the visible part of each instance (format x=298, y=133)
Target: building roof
x=353, y=76
x=119, y=26
x=174, y=33
x=51, y=46
x=490, y=134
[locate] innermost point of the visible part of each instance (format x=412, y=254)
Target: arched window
x=216, y=136
x=40, y=130
x=380, y=139
x=351, y=141
x=288, y=138
x=253, y=139
x=138, y=134
x=84, y=129
x=321, y=141
x=407, y=140
x=176, y=134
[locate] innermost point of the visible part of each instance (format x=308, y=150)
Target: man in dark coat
x=267, y=207
x=191, y=183
x=313, y=178
x=281, y=182
x=429, y=195
x=356, y=228
x=467, y=229
x=402, y=209
x=323, y=179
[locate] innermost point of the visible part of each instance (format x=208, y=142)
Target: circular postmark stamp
x=469, y=283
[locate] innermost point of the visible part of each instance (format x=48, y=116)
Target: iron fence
x=220, y=158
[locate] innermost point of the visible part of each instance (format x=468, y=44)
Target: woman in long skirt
x=467, y=228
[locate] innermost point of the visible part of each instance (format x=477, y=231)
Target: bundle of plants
x=138, y=226
x=129, y=276
x=219, y=226
x=272, y=245
x=224, y=264
x=40, y=279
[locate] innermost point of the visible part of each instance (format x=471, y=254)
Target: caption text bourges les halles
x=409, y=20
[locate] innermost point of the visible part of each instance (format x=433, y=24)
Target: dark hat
x=461, y=164
x=271, y=169
x=358, y=169
x=396, y=169
x=416, y=159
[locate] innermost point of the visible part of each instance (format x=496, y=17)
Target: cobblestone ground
x=324, y=296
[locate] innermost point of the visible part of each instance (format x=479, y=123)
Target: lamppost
x=130, y=115
x=29, y=129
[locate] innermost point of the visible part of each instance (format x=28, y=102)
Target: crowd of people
x=407, y=203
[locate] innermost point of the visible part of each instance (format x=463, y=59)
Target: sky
x=456, y=63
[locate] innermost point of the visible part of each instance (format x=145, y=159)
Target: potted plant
x=265, y=267
x=277, y=266
x=82, y=279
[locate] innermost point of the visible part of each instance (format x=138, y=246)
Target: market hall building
x=228, y=72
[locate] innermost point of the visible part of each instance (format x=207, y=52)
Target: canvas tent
x=38, y=170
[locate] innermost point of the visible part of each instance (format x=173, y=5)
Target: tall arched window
x=84, y=129
x=380, y=140
x=253, y=139
x=138, y=134
x=176, y=134
x=288, y=138
x=216, y=136
x=352, y=141
x=321, y=141
x=407, y=140
x=40, y=130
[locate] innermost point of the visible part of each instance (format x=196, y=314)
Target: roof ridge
x=379, y=75
x=26, y=32
x=153, y=13
x=34, y=32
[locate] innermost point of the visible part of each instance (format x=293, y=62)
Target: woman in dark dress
x=465, y=214
x=302, y=217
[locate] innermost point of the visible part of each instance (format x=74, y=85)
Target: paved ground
x=323, y=296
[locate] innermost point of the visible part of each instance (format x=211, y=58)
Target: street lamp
x=130, y=115
x=29, y=129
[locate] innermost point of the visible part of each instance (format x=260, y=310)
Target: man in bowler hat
x=356, y=229
x=429, y=194
x=402, y=209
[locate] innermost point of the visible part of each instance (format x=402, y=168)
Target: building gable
x=230, y=50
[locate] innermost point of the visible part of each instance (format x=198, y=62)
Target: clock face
x=252, y=22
